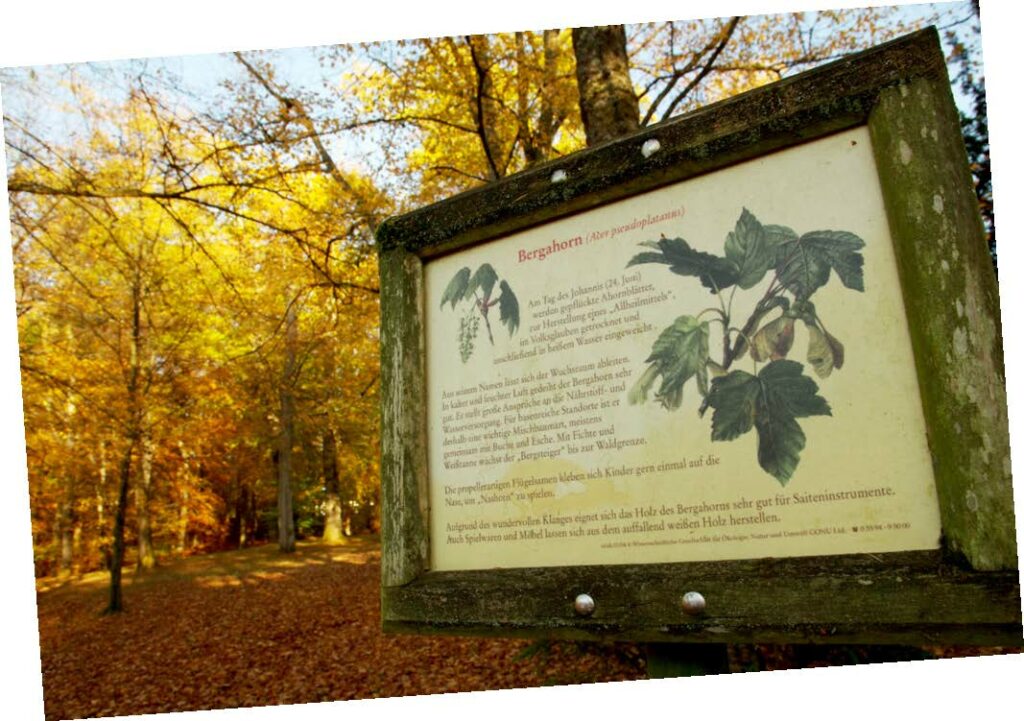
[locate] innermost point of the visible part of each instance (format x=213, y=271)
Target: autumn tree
x=146, y=227
x=463, y=110
x=196, y=276
x=456, y=112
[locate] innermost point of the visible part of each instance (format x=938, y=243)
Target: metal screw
x=694, y=603
x=584, y=605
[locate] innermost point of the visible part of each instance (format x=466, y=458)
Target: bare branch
x=724, y=40
x=481, y=81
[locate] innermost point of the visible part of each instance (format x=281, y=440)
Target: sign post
x=735, y=378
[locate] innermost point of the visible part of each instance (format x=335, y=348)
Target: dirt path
x=254, y=627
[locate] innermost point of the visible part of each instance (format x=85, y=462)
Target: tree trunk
x=608, y=103
x=537, y=141
x=65, y=532
x=184, y=482
x=116, y=603
x=241, y=513
x=285, y=521
x=250, y=517
x=333, y=529
x=486, y=106
x=132, y=435
x=143, y=495
x=183, y=522
x=101, y=489
x=66, y=506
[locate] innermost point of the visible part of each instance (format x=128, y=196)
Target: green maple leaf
x=679, y=354
x=805, y=263
x=456, y=289
x=769, y=402
x=714, y=272
x=484, y=280
x=508, y=308
x=751, y=249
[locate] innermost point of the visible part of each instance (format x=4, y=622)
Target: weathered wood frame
x=966, y=592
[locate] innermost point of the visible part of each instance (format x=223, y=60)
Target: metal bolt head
x=694, y=603
x=584, y=604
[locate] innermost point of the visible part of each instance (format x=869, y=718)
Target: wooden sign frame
x=965, y=592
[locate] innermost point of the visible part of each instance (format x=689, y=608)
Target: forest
x=196, y=278
x=195, y=274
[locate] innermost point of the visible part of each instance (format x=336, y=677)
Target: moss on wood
x=952, y=304
x=404, y=509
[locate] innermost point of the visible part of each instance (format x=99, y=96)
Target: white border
x=48, y=32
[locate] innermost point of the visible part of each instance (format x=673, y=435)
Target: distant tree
x=974, y=124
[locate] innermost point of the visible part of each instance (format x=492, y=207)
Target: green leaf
x=804, y=264
x=715, y=273
x=842, y=251
x=508, y=307
x=734, y=398
x=638, y=393
x=748, y=248
x=770, y=403
x=679, y=353
x=456, y=289
x=786, y=384
x=775, y=237
x=484, y=280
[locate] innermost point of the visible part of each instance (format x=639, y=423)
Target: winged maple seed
x=769, y=401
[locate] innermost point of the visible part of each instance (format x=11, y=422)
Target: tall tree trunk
x=486, y=106
x=101, y=489
x=182, y=545
x=132, y=435
x=241, y=511
x=531, y=152
x=250, y=519
x=184, y=482
x=537, y=141
x=66, y=506
x=116, y=603
x=143, y=495
x=334, y=532
x=608, y=103
x=285, y=521
x=66, y=530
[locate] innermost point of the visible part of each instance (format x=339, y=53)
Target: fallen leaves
x=254, y=628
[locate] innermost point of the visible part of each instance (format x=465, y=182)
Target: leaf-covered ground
x=254, y=627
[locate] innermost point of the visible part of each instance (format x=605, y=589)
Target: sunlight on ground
x=228, y=568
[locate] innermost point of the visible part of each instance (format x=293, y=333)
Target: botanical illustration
x=768, y=400
x=478, y=288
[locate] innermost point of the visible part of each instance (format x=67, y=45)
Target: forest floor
x=255, y=628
